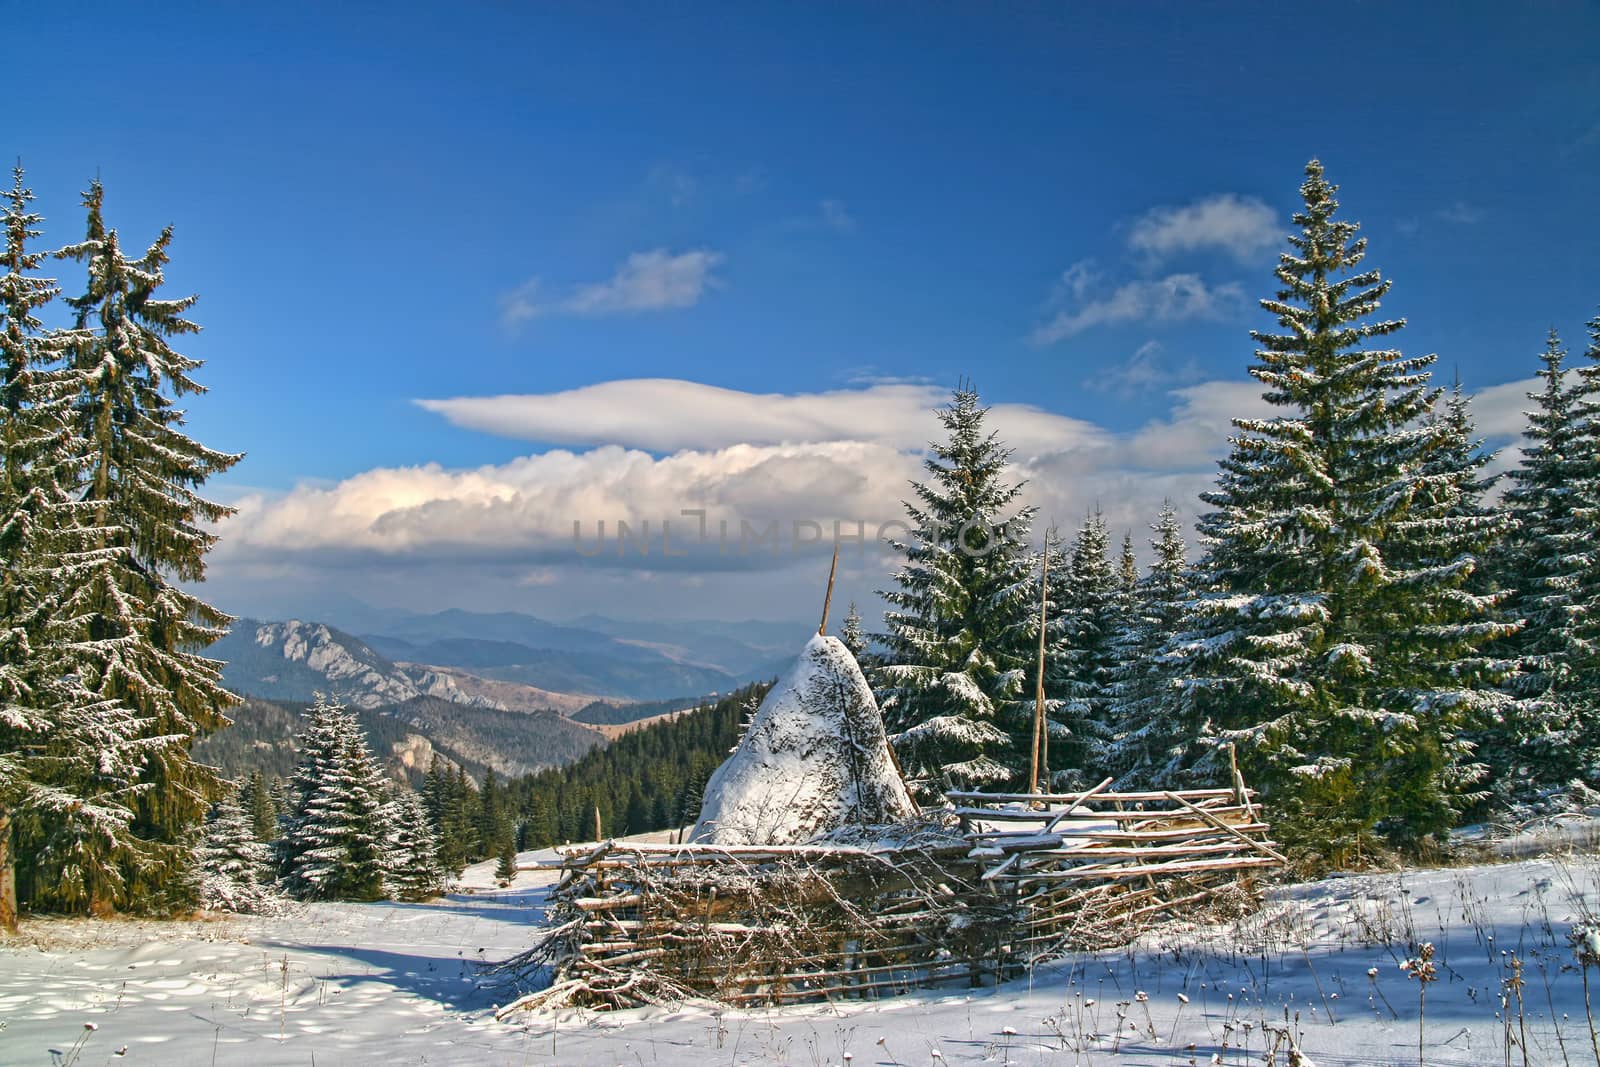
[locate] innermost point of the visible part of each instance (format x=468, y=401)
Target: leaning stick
x=1073, y=805
x=1038, y=695
x=827, y=599
x=1219, y=824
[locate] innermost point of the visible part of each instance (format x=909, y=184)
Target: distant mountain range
x=505, y=661
x=505, y=691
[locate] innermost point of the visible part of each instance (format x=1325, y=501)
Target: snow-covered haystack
x=814, y=759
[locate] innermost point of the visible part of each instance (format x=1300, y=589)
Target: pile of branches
x=636, y=924
x=1003, y=883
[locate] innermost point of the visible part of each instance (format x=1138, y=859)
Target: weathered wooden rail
x=999, y=884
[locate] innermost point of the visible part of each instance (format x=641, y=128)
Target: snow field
x=402, y=984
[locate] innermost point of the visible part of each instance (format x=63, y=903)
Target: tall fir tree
x=411, y=860
x=1333, y=647
x=235, y=866
x=492, y=820
x=141, y=631
x=1449, y=534
x=1547, y=742
x=24, y=583
x=262, y=807
x=452, y=806
x=30, y=382
x=1127, y=574
x=956, y=646
x=1150, y=743
x=505, y=868
x=1086, y=612
x=1544, y=560
x=67, y=757
x=333, y=846
x=1588, y=373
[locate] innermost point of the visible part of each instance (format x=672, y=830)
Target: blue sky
x=1076, y=206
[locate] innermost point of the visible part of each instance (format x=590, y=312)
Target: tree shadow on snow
x=459, y=983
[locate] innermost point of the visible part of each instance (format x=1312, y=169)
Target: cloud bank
x=764, y=477
x=812, y=458
x=669, y=414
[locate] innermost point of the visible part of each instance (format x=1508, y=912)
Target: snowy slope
x=814, y=758
x=400, y=984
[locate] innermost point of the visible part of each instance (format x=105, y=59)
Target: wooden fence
x=1009, y=881
x=1093, y=869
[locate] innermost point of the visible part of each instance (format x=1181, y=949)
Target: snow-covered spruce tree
x=1547, y=740
x=411, y=857
x=1588, y=373
x=505, y=868
x=333, y=844
x=452, y=806
x=23, y=716
x=29, y=381
x=262, y=807
x=851, y=634
x=141, y=632
x=957, y=638
x=493, y=817
x=66, y=757
x=235, y=867
x=1149, y=742
x=74, y=818
x=1543, y=561
x=70, y=767
x=1086, y=617
x=1450, y=533
x=1334, y=646
x=1127, y=574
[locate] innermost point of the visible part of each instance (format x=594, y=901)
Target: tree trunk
x=8, y=878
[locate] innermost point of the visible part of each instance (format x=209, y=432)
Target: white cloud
x=501, y=535
x=836, y=217
x=1080, y=301
x=656, y=280
x=1076, y=282
x=1240, y=225
x=1175, y=297
x=516, y=519
x=654, y=414
x=524, y=510
x=1461, y=213
x=649, y=281
x=1499, y=412
x=1194, y=434
x=522, y=304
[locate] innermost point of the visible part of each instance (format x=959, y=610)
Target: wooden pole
x=1241, y=795
x=1038, y=696
x=597, y=834
x=827, y=599
x=8, y=878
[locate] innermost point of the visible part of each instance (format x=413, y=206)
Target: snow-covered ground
x=401, y=984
